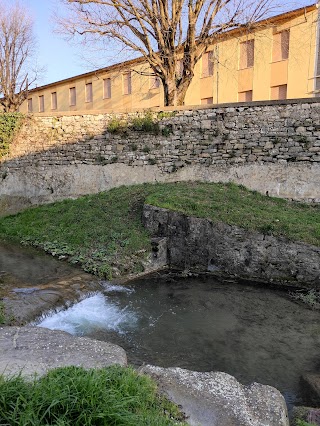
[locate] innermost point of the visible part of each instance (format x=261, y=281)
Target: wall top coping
x=298, y=101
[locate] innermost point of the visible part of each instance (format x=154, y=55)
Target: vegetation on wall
x=2, y=314
x=10, y=122
x=147, y=122
x=310, y=297
x=116, y=125
x=75, y=396
x=5, y=317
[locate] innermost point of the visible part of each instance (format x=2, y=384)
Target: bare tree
x=17, y=49
x=171, y=35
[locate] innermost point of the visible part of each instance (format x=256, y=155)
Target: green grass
x=303, y=423
x=236, y=205
x=103, y=233
x=98, y=232
x=3, y=319
x=72, y=396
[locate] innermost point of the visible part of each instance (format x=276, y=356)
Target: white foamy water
x=90, y=315
x=113, y=288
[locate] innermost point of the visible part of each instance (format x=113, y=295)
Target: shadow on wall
x=270, y=147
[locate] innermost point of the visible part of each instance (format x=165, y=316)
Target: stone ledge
x=34, y=350
x=218, y=399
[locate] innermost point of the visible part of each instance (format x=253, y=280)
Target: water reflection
x=253, y=333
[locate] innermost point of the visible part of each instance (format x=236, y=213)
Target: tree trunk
x=174, y=95
x=10, y=106
x=175, y=91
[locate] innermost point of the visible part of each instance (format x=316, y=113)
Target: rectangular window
x=279, y=92
x=281, y=44
x=30, y=106
x=89, y=93
x=247, y=54
x=127, y=83
x=245, y=96
x=207, y=64
x=154, y=82
x=41, y=103
x=107, y=88
x=206, y=101
x=72, y=96
x=54, y=101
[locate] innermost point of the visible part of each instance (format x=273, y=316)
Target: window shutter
x=30, y=107
x=107, y=88
x=285, y=41
x=127, y=83
x=89, y=94
x=54, y=102
x=72, y=96
x=41, y=103
x=207, y=64
x=245, y=96
x=246, y=54
x=250, y=53
x=283, y=91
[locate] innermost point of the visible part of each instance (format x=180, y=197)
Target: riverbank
x=105, y=236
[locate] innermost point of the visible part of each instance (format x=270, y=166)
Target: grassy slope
x=93, y=231
x=103, y=230
x=72, y=396
x=236, y=205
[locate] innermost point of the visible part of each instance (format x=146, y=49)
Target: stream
x=252, y=332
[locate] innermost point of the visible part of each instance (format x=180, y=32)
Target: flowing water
x=253, y=333
x=32, y=282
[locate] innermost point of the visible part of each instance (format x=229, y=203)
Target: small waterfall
x=90, y=315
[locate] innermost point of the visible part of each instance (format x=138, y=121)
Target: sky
x=60, y=58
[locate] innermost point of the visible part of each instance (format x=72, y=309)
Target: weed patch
x=2, y=314
x=4, y=318
x=310, y=298
x=115, y=126
x=73, y=396
x=145, y=123
x=10, y=123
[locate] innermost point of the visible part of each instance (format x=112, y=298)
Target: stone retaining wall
x=271, y=147
x=199, y=245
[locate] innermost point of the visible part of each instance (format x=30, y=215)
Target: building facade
x=278, y=59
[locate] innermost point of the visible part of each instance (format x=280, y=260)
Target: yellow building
x=279, y=59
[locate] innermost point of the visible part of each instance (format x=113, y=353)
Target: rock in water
x=218, y=399
x=310, y=388
x=34, y=350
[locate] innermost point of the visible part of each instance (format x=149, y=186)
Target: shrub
x=145, y=123
x=10, y=122
x=116, y=125
x=166, y=114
